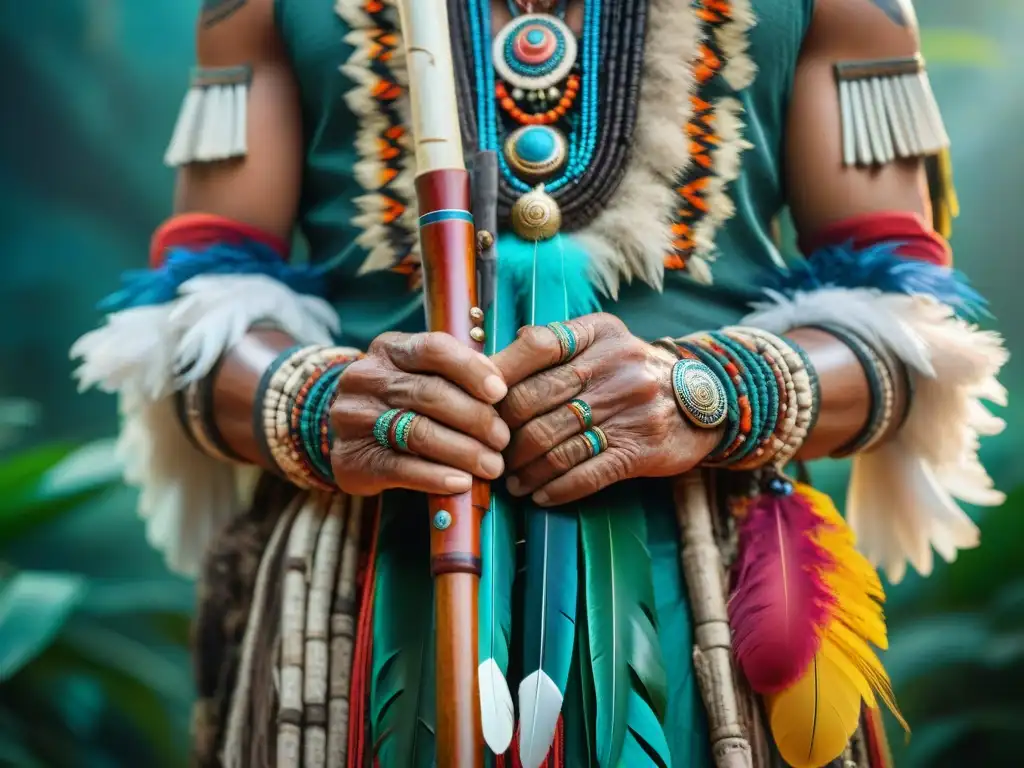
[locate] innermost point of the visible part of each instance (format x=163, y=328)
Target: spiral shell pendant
x=536, y=216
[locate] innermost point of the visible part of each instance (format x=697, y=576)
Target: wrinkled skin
x=472, y=407
x=626, y=382
x=458, y=433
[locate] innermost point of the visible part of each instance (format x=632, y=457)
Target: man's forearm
x=845, y=395
x=235, y=390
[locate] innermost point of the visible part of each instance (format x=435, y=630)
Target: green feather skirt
x=631, y=698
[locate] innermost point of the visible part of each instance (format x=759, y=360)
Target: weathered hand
x=627, y=384
x=456, y=433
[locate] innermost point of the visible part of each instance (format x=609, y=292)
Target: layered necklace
x=558, y=110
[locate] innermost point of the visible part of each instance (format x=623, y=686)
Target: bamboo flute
x=447, y=243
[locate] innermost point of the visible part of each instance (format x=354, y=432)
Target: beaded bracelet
x=788, y=410
x=735, y=408
x=772, y=394
x=274, y=401
x=308, y=444
x=261, y=393
x=194, y=406
x=312, y=434
x=881, y=390
x=802, y=397
x=747, y=384
x=815, y=382
x=777, y=395
x=304, y=462
x=762, y=382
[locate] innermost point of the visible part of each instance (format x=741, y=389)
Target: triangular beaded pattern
x=626, y=241
x=715, y=132
x=387, y=211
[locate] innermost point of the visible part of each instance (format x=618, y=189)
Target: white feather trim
x=540, y=703
x=902, y=497
x=185, y=496
x=497, y=715
x=630, y=237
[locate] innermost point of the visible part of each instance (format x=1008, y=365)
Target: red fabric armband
x=197, y=230
x=915, y=238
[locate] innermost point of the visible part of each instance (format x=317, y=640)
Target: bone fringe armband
x=212, y=122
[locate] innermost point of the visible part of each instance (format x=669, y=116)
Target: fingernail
x=541, y=498
x=500, y=434
x=491, y=464
x=514, y=486
x=458, y=483
x=495, y=388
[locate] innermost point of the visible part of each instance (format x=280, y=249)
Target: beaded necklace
x=575, y=127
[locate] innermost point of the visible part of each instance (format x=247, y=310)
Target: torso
x=723, y=220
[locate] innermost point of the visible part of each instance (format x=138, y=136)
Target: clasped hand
x=469, y=409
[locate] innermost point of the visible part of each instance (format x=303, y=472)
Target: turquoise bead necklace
x=583, y=134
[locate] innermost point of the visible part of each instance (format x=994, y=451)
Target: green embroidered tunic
x=373, y=302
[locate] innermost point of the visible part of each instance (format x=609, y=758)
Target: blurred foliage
x=93, y=666
x=956, y=654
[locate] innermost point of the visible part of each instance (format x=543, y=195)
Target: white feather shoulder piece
x=902, y=500
x=139, y=354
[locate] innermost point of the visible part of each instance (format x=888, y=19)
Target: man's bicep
x=238, y=139
x=862, y=118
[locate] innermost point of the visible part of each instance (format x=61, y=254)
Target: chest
x=319, y=39
x=709, y=68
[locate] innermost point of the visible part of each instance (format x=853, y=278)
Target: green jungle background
x=93, y=630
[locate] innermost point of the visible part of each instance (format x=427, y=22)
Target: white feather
x=185, y=496
x=901, y=502
x=496, y=709
x=540, y=703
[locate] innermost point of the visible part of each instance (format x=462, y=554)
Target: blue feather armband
x=147, y=287
x=881, y=268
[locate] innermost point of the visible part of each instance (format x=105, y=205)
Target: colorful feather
x=781, y=599
x=881, y=268
x=402, y=678
x=549, y=279
x=549, y=627
x=497, y=545
x=629, y=675
x=145, y=287
x=806, y=616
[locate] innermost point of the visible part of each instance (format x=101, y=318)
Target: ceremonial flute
x=447, y=246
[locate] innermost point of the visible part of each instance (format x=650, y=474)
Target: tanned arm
x=822, y=191
x=260, y=189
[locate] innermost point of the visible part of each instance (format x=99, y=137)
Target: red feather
x=780, y=603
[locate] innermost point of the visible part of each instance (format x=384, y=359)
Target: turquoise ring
x=699, y=393
x=391, y=430
x=567, y=340
x=583, y=413
x=597, y=440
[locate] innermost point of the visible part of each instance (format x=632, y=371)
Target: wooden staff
x=447, y=243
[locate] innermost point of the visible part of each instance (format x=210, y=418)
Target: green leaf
x=933, y=743
x=21, y=473
x=934, y=643
x=135, y=660
x=33, y=608
x=52, y=482
x=125, y=596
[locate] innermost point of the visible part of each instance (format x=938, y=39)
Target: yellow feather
x=812, y=720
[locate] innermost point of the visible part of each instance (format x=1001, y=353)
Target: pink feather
x=780, y=603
